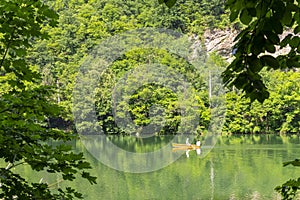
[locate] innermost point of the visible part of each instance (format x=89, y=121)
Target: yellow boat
x=177, y=146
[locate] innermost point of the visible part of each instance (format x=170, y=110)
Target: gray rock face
x=222, y=42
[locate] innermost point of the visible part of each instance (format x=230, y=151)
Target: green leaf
x=272, y=37
x=294, y=42
x=252, y=12
x=245, y=17
x=279, y=8
x=241, y=81
x=83, y=165
x=297, y=29
x=262, y=96
x=230, y=2
x=270, y=48
x=261, y=8
x=90, y=178
x=276, y=25
x=286, y=40
x=242, y=34
x=269, y=60
x=287, y=17
x=233, y=15
x=293, y=62
x=258, y=44
x=295, y=162
x=255, y=64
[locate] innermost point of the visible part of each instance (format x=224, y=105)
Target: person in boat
x=193, y=147
x=198, y=144
x=187, y=142
x=188, y=147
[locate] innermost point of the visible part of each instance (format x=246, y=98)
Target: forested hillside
x=46, y=45
x=84, y=24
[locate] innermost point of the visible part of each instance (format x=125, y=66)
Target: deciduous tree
x=25, y=109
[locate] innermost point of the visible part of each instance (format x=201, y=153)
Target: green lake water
x=238, y=167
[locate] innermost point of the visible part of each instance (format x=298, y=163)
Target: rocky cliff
x=222, y=42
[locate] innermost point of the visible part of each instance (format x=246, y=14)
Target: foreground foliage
x=290, y=189
x=25, y=108
x=265, y=21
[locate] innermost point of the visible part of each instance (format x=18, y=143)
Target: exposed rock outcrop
x=222, y=42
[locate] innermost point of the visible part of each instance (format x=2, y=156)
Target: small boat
x=187, y=147
x=177, y=146
x=187, y=144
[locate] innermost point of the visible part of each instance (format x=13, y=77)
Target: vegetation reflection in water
x=239, y=167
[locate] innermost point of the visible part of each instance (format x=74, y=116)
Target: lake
x=238, y=167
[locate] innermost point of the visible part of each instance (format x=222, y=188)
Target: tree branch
x=9, y=166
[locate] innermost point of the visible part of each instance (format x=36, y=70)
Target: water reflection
x=241, y=167
x=187, y=152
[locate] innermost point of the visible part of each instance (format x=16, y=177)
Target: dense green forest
x=84, y=24
x=44, y=44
